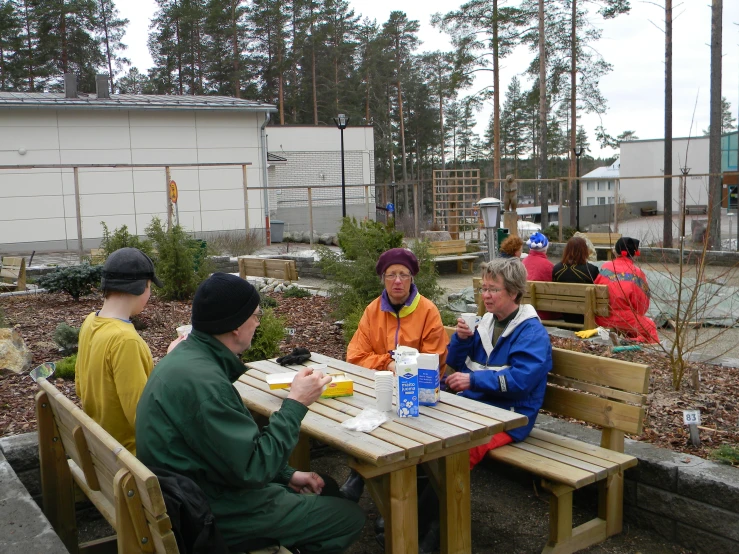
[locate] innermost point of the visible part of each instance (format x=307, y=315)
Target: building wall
x=602, y=193
x=314, y=159
x=37, y=206
x=645, y=158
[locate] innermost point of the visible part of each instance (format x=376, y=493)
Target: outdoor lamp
x=490, y=208
x=341, y=122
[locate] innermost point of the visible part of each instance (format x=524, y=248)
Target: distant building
x=601, y=189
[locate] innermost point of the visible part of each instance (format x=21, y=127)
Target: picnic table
x=439, y=440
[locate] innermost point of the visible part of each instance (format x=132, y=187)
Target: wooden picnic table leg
x=396, y=497
x=300, y=457
x=454, y=498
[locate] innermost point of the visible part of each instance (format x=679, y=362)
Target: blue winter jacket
x=513, y=375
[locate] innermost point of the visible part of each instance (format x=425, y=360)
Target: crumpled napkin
x=297, y=356
x=367, y=421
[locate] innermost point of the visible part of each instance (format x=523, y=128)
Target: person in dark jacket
x=192, y=421
x=575, y=268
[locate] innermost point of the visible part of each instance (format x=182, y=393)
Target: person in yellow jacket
x=399, y=317
x=113, y=361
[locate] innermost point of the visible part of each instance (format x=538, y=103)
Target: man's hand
x=175, y=342
x=458, y=381
x=308, y=386
x=463, y=330
x=391, y=367
x=306, y=482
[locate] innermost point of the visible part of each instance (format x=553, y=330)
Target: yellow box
x=340, y=384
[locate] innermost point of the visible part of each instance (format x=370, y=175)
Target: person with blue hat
x=538, y=267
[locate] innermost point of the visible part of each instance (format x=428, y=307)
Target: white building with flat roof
x=598, y=187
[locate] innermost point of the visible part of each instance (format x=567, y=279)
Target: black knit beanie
x=222, y=303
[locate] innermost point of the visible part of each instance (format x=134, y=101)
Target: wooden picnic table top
x=453, y=424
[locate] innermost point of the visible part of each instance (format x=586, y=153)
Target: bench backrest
x=125, y=491
x=14, y=269
x=595, y=389
x=97, y=256
x=271, y=268
x=442, y=247
x=568, y=298
x=603, y=239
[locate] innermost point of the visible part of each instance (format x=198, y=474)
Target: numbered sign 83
x=691, y=417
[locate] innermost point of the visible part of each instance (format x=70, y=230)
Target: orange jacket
x=380, y=331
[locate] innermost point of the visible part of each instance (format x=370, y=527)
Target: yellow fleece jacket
x=113, y=365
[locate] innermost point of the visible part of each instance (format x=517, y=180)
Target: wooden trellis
x=455, y=193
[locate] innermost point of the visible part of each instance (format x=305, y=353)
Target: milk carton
x=428, y=379
x=406, y=374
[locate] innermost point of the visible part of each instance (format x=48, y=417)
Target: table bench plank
x=625, y=460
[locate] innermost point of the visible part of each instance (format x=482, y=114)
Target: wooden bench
x=648, y=211
x=568, y=298
x=602, y=391
x=13, y=274
x=604, y=242
x=125, y=491
x=453, y=251
x=696, y=209
x=270, y=268
x=97, y=256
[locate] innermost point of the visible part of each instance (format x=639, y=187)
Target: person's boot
x=353, y=487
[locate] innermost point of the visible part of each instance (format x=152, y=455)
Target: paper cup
x=384, y=390
x=470, y=319
x=184, y=330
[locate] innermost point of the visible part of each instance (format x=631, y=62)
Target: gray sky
x=633, y=45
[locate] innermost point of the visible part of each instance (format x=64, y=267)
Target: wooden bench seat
x=602, y=391
x=648, y=211
x=74, y=450
x=604, y=242
x=568, y=298
x=453, y=251
x=265, y=267
x=696, y=209
x=13, y=274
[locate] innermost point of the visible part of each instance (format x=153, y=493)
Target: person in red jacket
x=628, y=294
x=538, y=267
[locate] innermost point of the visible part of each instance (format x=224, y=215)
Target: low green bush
x=267, y=337
x=75, y=280
x=235, y=243
x=552, y=233
x=65, y=367
x=66, y=336
x=448, y=317
x=726, y=454
x=181, y=262
x=296, y=292
x=267, y=301
x=121, y=238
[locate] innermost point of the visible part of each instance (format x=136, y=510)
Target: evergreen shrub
x=67, y=337
x=75, y=280
x=65, y=367
x=181, y=261
x=267, y=337
x=552, y=233
x=121, y=238
x=296, y=292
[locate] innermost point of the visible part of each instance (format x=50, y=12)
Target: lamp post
x=341, y=122
x=578, y=152
x=490, y=208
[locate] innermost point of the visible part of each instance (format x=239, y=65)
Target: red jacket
x=539, y=268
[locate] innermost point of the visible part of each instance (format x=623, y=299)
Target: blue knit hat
x=538, y=242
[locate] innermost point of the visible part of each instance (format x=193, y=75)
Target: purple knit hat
x=397, y=256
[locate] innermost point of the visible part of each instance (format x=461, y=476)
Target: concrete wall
x=37, y=207
x=646, y=157
x=314, y=159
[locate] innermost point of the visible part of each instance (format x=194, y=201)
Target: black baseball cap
x=127, y=270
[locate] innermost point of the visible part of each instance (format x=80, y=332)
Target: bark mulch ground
x=36, y=318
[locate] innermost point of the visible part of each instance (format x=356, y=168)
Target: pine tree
x=112, y=29
x=10, y=30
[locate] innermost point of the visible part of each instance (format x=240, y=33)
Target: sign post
x=174, y=196
x=692, y=418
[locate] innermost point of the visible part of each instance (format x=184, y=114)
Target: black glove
x=297, y=356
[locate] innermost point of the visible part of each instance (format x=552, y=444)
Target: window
x=602, y=185
x=610, y=185
x=601, y=200
x=591, y=185
x=610, y=199
x=591, y=200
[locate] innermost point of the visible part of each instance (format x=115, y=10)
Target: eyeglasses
x=488, y=290
x=258, y=315
x=393, y=276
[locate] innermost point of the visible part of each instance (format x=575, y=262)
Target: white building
x=644, y=159
x=303, y=156
x=599, y=186
x=43, y=208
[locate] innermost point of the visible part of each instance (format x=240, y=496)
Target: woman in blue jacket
x=505, y=360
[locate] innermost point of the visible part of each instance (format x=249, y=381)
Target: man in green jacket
x=192, y=421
